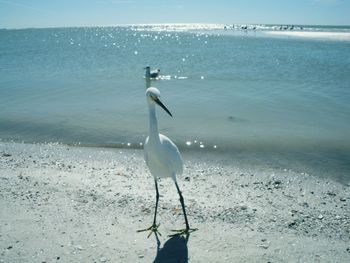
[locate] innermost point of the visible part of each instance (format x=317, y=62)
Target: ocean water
x=244, y=95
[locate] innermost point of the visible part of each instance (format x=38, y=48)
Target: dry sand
x=72, y=204
x=312, y=34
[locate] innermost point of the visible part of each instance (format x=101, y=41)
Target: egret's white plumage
x=167, y=162
x=162, y=156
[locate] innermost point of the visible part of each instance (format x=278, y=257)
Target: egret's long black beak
x=163, y=106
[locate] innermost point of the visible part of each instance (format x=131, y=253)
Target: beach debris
x=331, y=193
x=305, y=204
x=292, y=224
x=277, y=184
x=79, y=247
x=265, y=243
x=294, y=212
x=265, y=246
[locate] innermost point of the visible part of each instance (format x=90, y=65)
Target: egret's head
x=153, y=96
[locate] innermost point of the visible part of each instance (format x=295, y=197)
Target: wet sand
x=74, y=204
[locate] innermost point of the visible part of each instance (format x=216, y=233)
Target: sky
x=63, y=13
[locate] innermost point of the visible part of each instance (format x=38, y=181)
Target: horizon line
x=168, y=23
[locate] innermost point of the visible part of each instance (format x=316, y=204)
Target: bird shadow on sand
x=174, y=250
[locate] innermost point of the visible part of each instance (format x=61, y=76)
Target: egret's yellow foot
x=183, y=232
x=153, y=229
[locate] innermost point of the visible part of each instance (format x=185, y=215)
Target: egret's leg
x=187, y=230
x=157, y=198
x=183, y=205
x=154, y=226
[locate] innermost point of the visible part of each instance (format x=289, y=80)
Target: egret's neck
x=153, y=125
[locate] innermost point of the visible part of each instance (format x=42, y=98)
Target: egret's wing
x=172, y=154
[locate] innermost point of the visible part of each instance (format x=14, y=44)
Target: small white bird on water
x=151, y=74
x=162, y=158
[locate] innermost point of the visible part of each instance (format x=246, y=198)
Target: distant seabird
x=151, y=74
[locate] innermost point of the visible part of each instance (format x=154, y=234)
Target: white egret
x=151, y=74
x=162, y=158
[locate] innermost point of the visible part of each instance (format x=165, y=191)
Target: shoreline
x=322, y=162
x=73, y=204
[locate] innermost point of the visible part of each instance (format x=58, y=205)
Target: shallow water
x=231, y=92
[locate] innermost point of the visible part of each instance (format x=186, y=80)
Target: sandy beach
x=313, y=34
x=74, y=204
